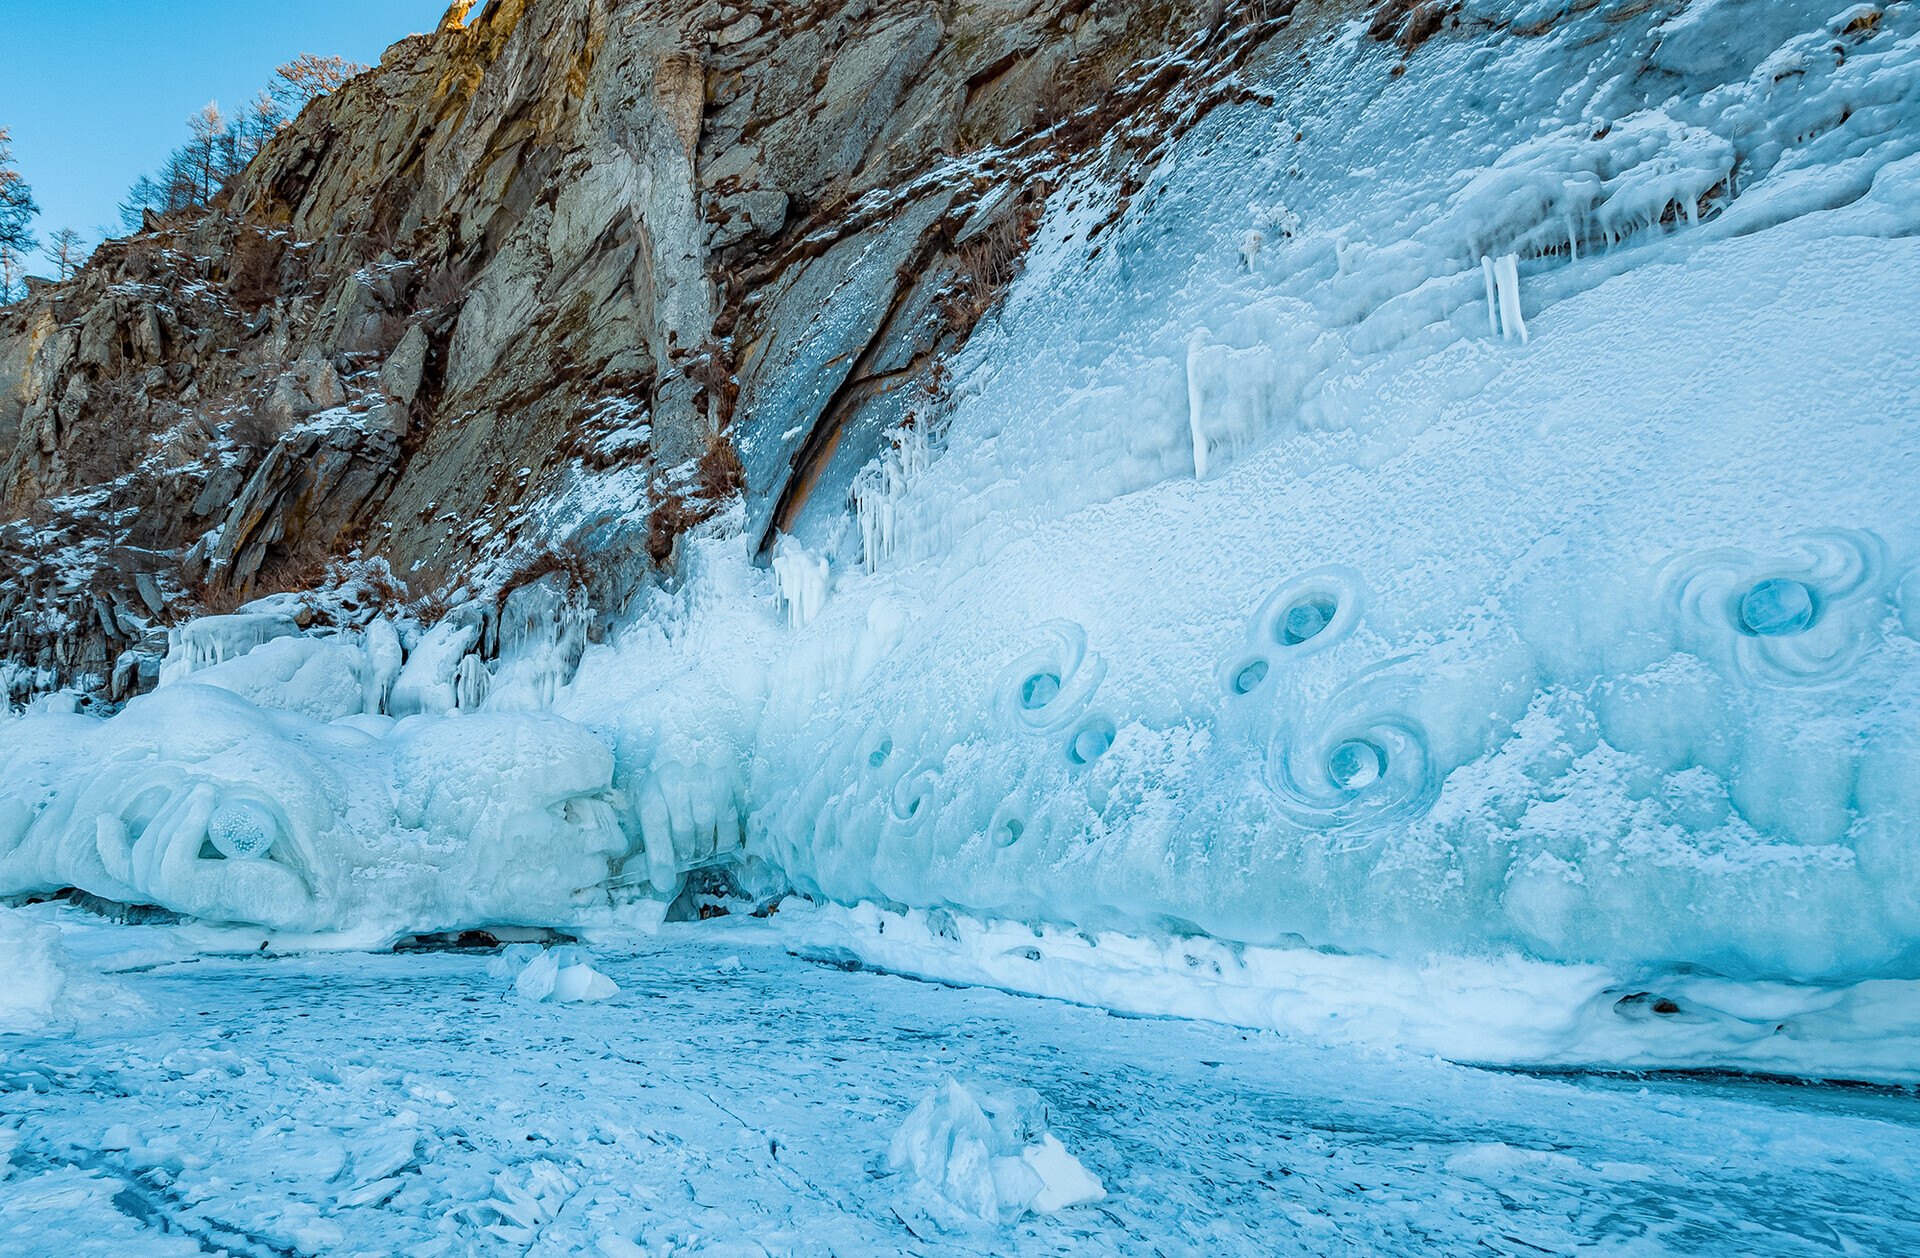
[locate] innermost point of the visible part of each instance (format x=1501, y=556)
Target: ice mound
x=193, y=799
x=318, y=679
x=44, y=983
x=560, y=975
x=975, y=1153
x=37, y=968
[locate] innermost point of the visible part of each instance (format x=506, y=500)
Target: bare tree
x=307, y=76
x=13, y=269
x=254, y=127
x=202, y=167
x=144, y=195
x=17, y=209
x=217, y=151
x=67, y=249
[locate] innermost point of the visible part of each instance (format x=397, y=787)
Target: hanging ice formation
x=543, y=632
x=471, y=684
x=803, y=581
x=1231, y=394
x=881, y=489
x=1503, y=296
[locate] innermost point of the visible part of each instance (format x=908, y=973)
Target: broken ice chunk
x=559, y=975
x=1063, y=1181
x=984, y=1152
x=583, y=982
x=537, y=980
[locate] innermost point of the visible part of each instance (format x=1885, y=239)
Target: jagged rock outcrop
x=561, y=272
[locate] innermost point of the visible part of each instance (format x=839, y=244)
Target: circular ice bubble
x=1090, y=741
x=1011, y=830
x=880, y=753
x=1039, y=690
x=1356, y=764
x=1305, y=619
x=242, y=829
x=1776, y=608
x=1250, y=677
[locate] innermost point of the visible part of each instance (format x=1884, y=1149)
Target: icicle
x=879, y=492
x=1573, y=243
x=1493, y=302
x=1195, y=420
x=471, y=682
x=803, y=581
x=1507, y=272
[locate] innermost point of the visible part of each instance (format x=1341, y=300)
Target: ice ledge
x=1496, y=1010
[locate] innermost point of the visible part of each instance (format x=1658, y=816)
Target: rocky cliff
x=545, y=289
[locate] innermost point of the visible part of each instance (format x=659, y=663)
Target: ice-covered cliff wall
x=559, y=276
x=1598, y=645
x=1445, y=486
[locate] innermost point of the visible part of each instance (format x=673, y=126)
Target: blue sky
x=96, y=92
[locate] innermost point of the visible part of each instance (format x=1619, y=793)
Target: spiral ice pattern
x=1802, y=617
x=1048, y=686
x=1355, y=761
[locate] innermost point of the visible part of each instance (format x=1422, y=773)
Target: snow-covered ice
x=1514, y=557
x=1506, y=1010
x=409, y=1104
x=198, y=801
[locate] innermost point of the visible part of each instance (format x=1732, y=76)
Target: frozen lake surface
x=733, y=1099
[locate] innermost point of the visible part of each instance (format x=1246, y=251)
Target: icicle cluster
x=803, y=581
x=881, y=489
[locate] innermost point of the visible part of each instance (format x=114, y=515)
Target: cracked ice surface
x=733, y=1099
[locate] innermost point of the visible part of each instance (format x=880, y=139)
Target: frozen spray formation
x=1465, y=508
x=1594, y=640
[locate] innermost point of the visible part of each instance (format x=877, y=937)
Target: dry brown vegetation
x=253, y=278
x=988, y=263
x=718, y=477
x=562, y=557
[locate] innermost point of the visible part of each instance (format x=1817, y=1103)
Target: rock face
x=561, y=273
